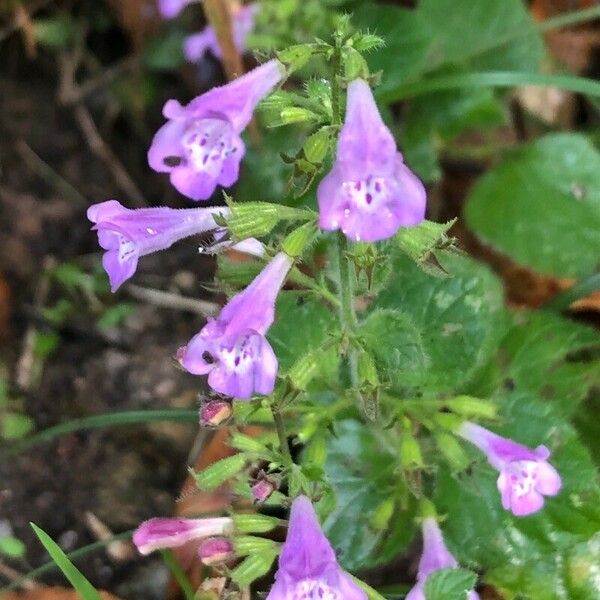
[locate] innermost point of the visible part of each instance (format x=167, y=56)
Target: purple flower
x=233, y=349
x=308, y=568
x=200, y=146
x=525, y=475
x=159, y=533
x=242, y=23
x=128, y=234
x=169, y=9
x=435, y=557
x=370, y=192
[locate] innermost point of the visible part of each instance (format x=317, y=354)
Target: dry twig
x=172, y=301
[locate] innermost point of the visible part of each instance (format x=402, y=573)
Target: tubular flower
x=200, y=146
x=127, y=234
x=169, y=9
x=369, y=193
x=435, y=557
x=232, y=349
x=159, y=533
x=525, y=475
x=308, y=569
x=242, y=23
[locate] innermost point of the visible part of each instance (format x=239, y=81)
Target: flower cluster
x=368, y=194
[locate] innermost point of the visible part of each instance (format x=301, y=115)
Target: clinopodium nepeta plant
x=333, y=342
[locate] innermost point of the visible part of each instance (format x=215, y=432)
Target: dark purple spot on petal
x=236, y=362
x=172, y=161
x=358, y=185
x=369, y=198
x=205, y=159
x=377, y=186
x=207, y=357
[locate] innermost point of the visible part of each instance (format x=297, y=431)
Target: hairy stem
x=284, y=447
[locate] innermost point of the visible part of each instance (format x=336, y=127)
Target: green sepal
x=355, y=66
x=252, y=567
x=304, y=369
x=452, y=450
x=249, y=544
x=217, y=473
x=469, y=406
x=254, y=523
x=293, y=245
x=317, y=145
x=257, y=219
x=382, y=514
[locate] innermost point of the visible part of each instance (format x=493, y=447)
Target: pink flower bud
x=215, y=550
x=262, y=490
x=215, y=412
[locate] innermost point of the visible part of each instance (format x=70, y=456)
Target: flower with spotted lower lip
x=369, y=193
x=308, y=569
x=525, y=475
x=232, y=349
x=200, y=146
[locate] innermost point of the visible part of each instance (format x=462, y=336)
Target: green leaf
x=472, y=31
x=406, y=42
x=435, y=119
x=541, y=206
x=553, y=358
x=12, y=547
x=396, y=345
x=83, y=587
x=302, y=323
x=165, y=53
x=217, y=473
x=360, y=470
x=458, y=318
x=449, y=584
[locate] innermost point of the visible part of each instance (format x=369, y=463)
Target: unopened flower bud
x=217, y=550
x=262, y=490
x=215, y=412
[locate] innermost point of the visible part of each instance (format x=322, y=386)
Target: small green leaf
x=83, y=587
x=317, y=145
x=449, y=584
x=541, y=206
x=226, y=468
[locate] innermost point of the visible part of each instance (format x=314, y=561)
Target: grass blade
x=82, y=586
x=115, y=419
x=500, y=79
x=179, y=574
x=72, y=556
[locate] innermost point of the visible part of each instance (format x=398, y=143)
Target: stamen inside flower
x=207, y=143
x=314, y=589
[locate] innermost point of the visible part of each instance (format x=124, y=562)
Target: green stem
x=284, y=446
x=179, y=574
x=347, y=316
x=335, y=87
